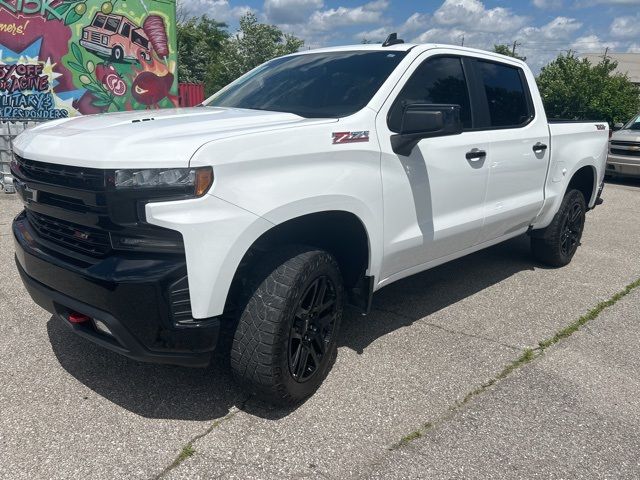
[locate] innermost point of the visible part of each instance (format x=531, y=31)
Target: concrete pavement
x=69, y=409
x=573, y=413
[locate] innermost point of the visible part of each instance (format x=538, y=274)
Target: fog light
x=102, y=327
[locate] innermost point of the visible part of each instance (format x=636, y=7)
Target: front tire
x=286, y=339
x=557, y=244
x=117, y=54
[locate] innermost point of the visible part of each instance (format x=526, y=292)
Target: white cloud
x=290, y=11
x=547, y=4
x=408, y=29
x=592, y=43
x=220, y=10
x=591, y=3
x=625, y=27
x=375, y=35
x=634, y=48
x=322, y=27
x=415, y=22
x=369, y=13
x=473, y=15
x=452, y=36
x=558, y=30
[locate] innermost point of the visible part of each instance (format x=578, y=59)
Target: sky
x=541, y=28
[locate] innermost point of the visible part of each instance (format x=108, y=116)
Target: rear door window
x=507, y=96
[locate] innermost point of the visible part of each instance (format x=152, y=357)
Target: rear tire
x=285, y=342
x=557, y=244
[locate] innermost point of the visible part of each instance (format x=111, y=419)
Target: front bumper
x=623, y=165
x=130, y=293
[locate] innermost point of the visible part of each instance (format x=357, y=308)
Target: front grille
x=78, y=238
x=96, y=37
x=628, y=153
x=63, y=175
x=180, y=302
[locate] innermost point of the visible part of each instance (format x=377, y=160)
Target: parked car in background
x=116, y=37
x=245, y=224
x=624, y=149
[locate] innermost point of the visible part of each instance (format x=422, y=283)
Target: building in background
x=628, y=63
x=71, y=57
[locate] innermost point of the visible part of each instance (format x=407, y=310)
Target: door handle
x=539, y=147
x=475, y=154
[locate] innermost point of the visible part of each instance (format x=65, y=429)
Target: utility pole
x=462, y=41
x=513, y=49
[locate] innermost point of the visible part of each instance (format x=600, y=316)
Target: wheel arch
x=584, y=180
x=340, y=232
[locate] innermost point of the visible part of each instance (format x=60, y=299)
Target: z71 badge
x=350, y=137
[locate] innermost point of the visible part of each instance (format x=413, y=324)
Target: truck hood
x=626, y=135
x=139, y=139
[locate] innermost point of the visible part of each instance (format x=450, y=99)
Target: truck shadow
x=171, y=392
x=408, y=300
x=624, y=181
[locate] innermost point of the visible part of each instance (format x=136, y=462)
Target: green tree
x=255, y=43
x=200, y=42
x=575, y=89
x=504, y=49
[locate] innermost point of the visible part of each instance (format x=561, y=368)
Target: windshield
x=634, y=124
x=334, y=84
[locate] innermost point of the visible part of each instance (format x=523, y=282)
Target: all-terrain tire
x=556, y=244
x=266, y=342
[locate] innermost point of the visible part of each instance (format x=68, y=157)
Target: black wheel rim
x=312, y=328
x=571, y=229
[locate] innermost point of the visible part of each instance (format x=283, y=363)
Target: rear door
x=519, y=147
x=434, y=197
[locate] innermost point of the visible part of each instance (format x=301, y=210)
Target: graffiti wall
x=60, y=58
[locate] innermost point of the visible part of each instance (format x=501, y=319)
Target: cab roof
x=405, y=47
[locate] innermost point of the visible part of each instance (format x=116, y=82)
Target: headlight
x=105, y=40
x=195, y=181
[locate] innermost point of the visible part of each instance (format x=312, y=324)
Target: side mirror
x=618, y=126
x=424, y=121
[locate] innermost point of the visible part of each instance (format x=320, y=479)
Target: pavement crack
x=188, y=450
x=527, y=356
x=449, y=330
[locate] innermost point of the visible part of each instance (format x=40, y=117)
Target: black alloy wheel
x=556, y=244
x=572, y=226
x=312, y=328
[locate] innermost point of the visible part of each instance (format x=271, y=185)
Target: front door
x=434, y=197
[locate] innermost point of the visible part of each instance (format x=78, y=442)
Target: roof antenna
x=392, y=39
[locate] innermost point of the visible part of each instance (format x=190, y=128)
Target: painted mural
x=60, y=58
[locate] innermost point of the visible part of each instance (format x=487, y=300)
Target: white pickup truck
x=246, y=223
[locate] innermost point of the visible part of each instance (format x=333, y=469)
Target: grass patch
x=527, y=356
x=187, y=451
x=407, y=439
x=587, y=317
